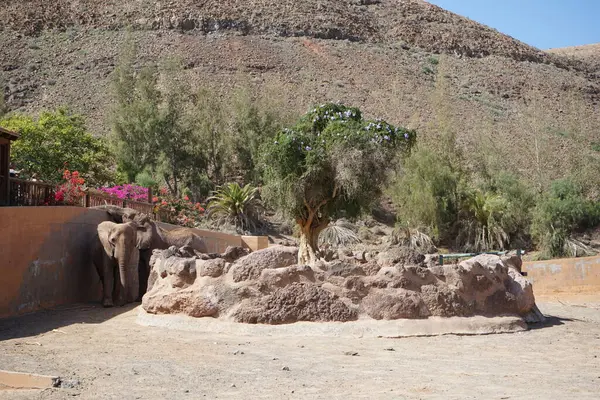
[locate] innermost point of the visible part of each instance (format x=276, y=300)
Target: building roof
x=5, y=133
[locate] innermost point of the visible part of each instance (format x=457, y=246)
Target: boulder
x=251, y=266
x=213, y=268
x=400, y=255
x=293, y=303
x=280, y=277
x=233, y=253
x=394, y=304
x=188, y=301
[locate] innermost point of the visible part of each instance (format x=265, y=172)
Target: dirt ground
x=106, y=354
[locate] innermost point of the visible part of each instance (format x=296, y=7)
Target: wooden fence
x=30, y=193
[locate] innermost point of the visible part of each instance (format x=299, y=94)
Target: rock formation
x=267, y=287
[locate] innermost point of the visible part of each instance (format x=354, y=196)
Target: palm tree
x=482, y=227
x=238, y=205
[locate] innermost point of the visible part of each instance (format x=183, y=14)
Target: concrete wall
x=45, y=258
x=217, y=242
x=568, y=277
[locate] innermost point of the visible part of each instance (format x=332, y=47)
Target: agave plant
x=237, y=205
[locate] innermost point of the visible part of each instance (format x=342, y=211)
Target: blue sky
x=541, y=23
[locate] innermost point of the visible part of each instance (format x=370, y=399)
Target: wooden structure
x=6, y=137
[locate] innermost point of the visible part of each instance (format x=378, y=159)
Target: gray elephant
x=150, y=236
x=116, y=258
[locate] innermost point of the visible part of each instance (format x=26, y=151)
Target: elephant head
x=120, y=242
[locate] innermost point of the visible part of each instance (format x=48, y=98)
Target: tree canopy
x=55, y=141
x=332, y=163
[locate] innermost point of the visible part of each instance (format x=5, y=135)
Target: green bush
x=56, y=141
x=560, y=212
x=428, y=194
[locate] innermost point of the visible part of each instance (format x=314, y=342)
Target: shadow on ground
x=550, y=322
x=45, y=321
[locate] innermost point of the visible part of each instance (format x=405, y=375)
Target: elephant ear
x=104, y=236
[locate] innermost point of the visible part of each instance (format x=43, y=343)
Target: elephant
x=150, y=237
x=116, y=258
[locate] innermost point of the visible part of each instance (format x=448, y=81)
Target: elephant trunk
x=123, y=254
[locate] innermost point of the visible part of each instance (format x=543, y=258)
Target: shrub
x=71, y=191
x=338, y=235
x=561, y=212
x=240, y=206
x=177, y=210
x=128, y=192
x=428, y=194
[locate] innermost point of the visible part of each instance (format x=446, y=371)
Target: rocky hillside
x=406, y=60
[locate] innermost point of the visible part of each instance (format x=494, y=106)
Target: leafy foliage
x=177, y=210
x=429, y=194
x=560, y=212
x=55, y=140
x=238, y=205
x=331, y=161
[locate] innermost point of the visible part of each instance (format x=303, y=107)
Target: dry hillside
x=406, y=60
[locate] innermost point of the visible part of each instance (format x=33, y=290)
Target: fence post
x=87, y=200
x=150, y=195
x=441, y=259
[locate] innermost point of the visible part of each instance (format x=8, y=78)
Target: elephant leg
x=107, y=281
x=143, y=272
x=133, y=284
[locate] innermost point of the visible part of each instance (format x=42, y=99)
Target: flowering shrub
x=71, y=191
x=127, y=192
x=180, y=211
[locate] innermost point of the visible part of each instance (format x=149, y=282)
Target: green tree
x=252, y=124
x=429, y=193
x=331, y=163
x=55, y=141
x=136, y=120
x=152, y=129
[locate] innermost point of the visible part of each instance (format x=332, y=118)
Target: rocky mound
x=264, y=287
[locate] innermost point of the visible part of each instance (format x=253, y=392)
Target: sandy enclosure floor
x=108, y=355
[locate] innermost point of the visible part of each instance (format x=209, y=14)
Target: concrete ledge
x=18, y=380
x=434, y=326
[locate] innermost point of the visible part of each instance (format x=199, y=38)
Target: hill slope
x=408, y=61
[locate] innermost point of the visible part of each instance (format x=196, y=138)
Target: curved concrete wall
x=567, y=277
x=45, y=257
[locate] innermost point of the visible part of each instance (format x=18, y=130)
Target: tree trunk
x=308, y=253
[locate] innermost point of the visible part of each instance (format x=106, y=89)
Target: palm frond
x=413, y=238
x=337, y=235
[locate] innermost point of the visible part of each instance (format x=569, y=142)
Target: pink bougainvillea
x=127, y=192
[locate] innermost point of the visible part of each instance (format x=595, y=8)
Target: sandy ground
x=107, y=354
